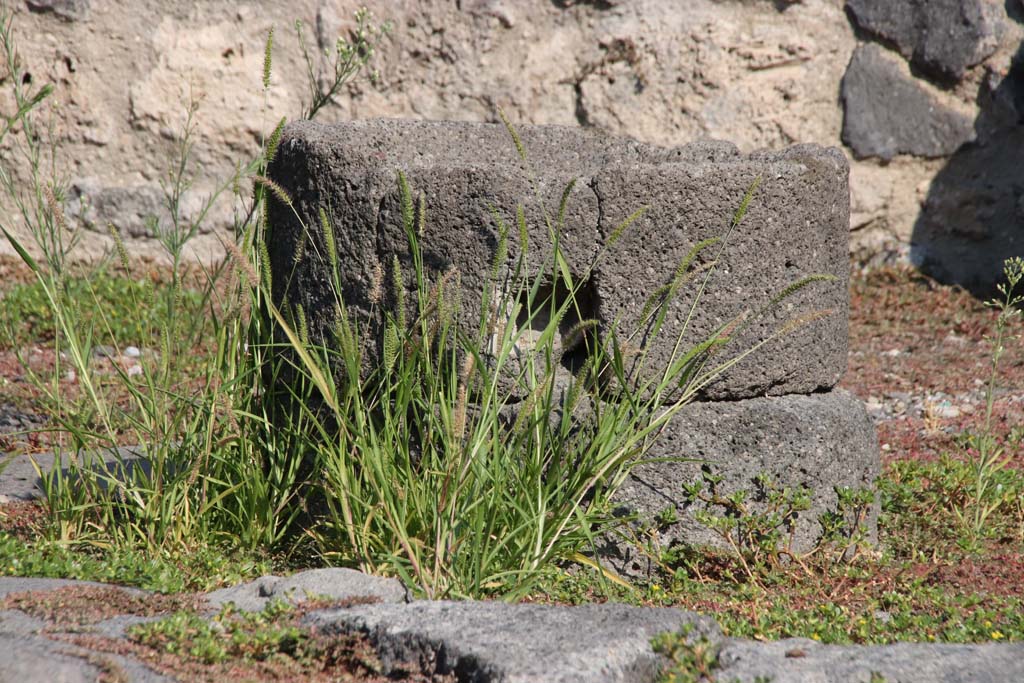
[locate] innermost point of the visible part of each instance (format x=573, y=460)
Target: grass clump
x=988, y=460
x=460, y=463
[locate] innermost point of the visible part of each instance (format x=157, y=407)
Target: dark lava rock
x=943, y=38
x=886, y=112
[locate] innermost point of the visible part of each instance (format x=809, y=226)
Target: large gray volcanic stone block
x=942, y=37
x=819, y=441
x=797, y=225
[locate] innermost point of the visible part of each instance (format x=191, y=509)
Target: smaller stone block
x=820, y=441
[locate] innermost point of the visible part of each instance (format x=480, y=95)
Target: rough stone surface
x=24, y=584
x=28, y=654
x=942, y=37
x=484, y=641
x=747, y=662
x=795, y=227
x=888, y=112
x=28, y=658
x=330, y=582
x=820, y=441
x=19, y=477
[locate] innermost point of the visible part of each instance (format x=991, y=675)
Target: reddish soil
x=80, y=605
x=920, y=356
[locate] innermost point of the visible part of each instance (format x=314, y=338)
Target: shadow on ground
x=973, y=216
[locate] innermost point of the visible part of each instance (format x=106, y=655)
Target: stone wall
x=921, y=95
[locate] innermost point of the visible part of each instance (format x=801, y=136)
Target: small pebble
x=104, y=351
x=135, y=370
x=132, y=352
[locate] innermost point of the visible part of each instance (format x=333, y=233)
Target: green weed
x=198, y=569
x=267, y=645
x=117, y=308
x=986, y=493
x=691, y=660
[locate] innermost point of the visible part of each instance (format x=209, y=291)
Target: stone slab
x=489, y=641
x=27, y=658
x=802, y=660
x=19, y=476
x=819, y=441
x=887, y=112
x=797, y=225
x=332, y=582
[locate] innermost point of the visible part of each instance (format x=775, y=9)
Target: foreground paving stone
x=484, y=642
x=489, y=641
x=337, y=583
x=29, y=655
x=804, y=661
x=34, y=659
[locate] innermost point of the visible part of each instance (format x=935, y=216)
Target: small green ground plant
x=758, y=526
x=231, y=634
x=988, y=490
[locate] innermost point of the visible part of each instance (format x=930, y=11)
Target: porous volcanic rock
x=820, y=442
x=796, y=227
